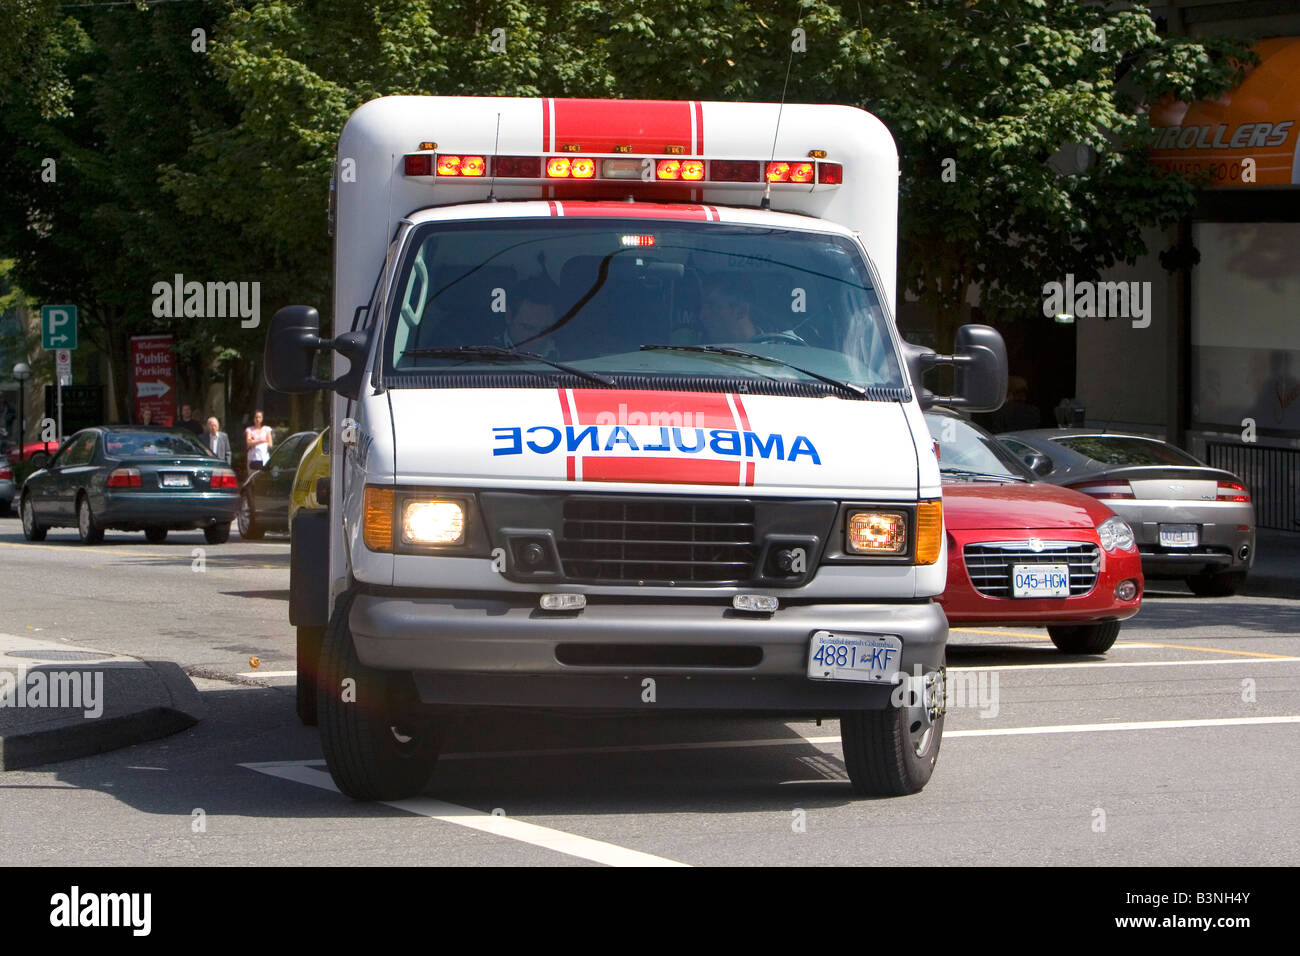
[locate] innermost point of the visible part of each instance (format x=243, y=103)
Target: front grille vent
x=627, y=540
x=989, y=565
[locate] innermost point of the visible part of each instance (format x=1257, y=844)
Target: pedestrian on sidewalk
x=216, y=441
x=189, y=423
x=257, y=440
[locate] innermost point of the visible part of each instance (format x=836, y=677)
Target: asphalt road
x=1177, y=747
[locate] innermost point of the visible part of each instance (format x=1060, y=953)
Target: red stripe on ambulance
x=597, y=126
x=685, y=410
x=666, y=471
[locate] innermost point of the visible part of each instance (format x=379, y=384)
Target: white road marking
x=268, y=674
x=1080, y=664
x=1131, y=725
x=834, y=739
x=306, y=771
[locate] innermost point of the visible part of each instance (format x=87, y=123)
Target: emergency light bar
x=624, y=168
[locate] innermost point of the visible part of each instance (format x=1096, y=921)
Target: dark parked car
x=1191, y=521
x=131, y=478
x=264, y=499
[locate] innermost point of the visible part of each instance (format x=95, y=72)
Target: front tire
x=88, y=528
x=33, y=530
x=893, y=752
x=249, y=529
x=377, y=744
x=1084, y=638
x=217, y=533
x=1223, y=584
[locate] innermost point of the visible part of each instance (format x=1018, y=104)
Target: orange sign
x=1248, y=136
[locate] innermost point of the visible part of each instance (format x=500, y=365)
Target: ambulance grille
x=657, y=541
x=989, y=565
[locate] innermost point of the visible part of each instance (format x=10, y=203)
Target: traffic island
x=60, y=701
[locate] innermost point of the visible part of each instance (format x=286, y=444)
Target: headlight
x=1115, y=534
x=433, y=522
x=876, y=532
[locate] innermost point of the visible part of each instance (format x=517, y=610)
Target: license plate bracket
x=1180, y=535
x=1040, y=580
x=863, y=658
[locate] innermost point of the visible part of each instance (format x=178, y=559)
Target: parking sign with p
x=58, y=326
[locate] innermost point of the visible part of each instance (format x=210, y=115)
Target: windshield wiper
x=857, y=391
x=497, y=352
x=987, y=476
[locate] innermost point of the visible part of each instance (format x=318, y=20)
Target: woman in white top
x=257, y=440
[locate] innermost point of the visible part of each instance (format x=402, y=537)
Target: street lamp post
x=21, y=374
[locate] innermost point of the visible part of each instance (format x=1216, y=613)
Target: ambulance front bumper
x=501, y=651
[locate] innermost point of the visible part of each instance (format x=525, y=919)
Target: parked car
x=1192, y=521
x=314, y=465
x=1026, y=552
x=7, y=488
x=131, y=478
x=39, y=453
x=264, y=499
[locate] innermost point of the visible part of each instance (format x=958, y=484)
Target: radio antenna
x=766, y=202
x=496, y=150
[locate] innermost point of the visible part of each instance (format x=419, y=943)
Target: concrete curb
x=141, y=701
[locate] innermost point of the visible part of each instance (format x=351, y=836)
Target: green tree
x=988, y=90
x=85, y=214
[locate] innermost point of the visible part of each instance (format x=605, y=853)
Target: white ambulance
x=622, y=423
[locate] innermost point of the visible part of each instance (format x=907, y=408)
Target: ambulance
x=621, y=422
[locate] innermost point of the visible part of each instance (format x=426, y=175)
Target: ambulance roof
x=374, y=192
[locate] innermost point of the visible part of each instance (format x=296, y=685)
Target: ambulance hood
x=653, y=441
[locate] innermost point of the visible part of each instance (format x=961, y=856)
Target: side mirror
x=980, y=361
x=1038, y=463
x=292, y=346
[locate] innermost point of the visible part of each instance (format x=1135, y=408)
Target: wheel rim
x=29, y=516
x=925, y=709
x=83, y=518
x=244, y=517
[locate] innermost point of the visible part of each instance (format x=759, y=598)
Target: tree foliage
x=217, y=164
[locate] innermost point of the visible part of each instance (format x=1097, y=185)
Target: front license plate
x=868, y=658
x=1179, y=536
x=175, y=481
x=1040, y=580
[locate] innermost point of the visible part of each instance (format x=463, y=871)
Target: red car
x=1021, y=551
x=37, y=452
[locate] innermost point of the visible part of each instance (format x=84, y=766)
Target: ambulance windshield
x=638, y=303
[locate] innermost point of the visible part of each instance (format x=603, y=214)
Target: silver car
x=1191, y=521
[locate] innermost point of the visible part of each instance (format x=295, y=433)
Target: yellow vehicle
x=304, y=502
x=314, y=464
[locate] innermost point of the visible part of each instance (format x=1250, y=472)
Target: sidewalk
x=1277, y=565
x=59, y=701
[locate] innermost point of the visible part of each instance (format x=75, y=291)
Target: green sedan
x=131, y=478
